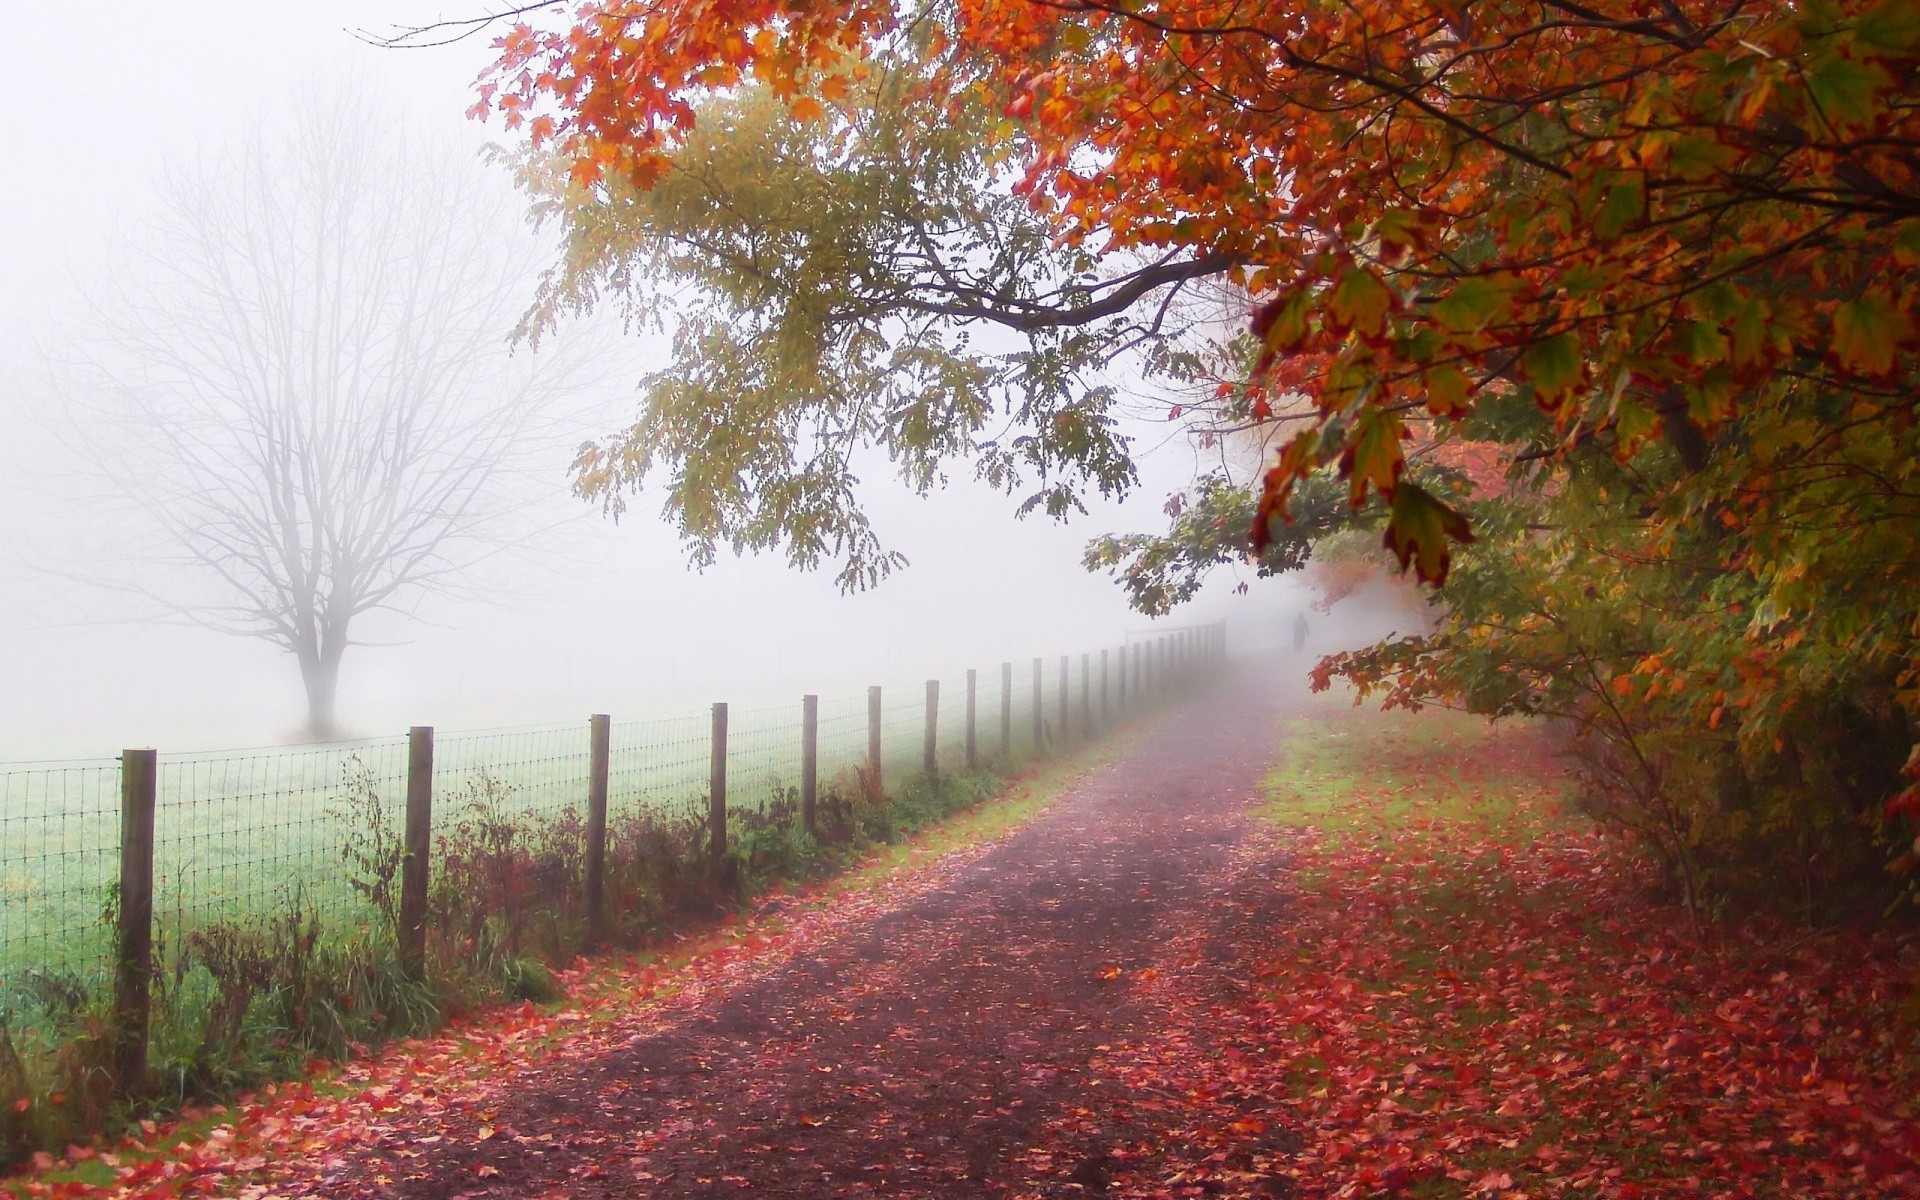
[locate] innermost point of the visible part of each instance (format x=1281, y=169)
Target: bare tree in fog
x=301, y=379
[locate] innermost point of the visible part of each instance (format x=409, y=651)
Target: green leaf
x=1472, y=303
x=1845, y=91
x=1906, y=243
x=1695, y=156
x=1553, y=364
x=1700, y=342
x=1282, y=321
x=1373, y=454
x=1749, y=330
x=1447, y=390
x=1632, y=422
x=1400, y=230
x=1360, y=301
x=1625, y=203
x=1868, y=331
x=1421, y=530
x=1891, y=28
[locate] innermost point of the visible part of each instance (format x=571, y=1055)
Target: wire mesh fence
x=255, y=832
x=763, y=757
x=59, y=858
x=247, y=834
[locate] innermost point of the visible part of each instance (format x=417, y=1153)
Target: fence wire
x=661, y=765
x=59, y=859
x=252, y=833
x=763, y=757
x=248, y=834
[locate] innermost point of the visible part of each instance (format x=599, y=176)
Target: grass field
x=240, y=833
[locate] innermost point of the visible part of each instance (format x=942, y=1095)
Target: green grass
x=1356, y=774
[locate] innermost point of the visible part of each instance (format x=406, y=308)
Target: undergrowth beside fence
x=359, y=946
x=244, y=1002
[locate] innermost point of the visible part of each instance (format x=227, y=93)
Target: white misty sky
x=99, y=98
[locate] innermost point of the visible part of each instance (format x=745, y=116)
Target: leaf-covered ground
x=1389, y=967
x=1469, y=996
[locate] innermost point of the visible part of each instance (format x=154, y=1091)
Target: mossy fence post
x=930, y=746
x=973, y=743
x=809, y=759
x=133, y=953
x=717, y=791
x=599, y=751
x=419, y=844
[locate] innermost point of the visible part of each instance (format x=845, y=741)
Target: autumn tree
x=1662, y=254
x=295, y=394
x=865, y=280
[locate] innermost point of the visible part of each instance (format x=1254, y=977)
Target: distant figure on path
x=1299, y=632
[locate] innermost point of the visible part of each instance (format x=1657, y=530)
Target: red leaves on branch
x=1599, y=205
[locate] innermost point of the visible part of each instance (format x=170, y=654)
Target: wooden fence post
x=1039, y=707
x=133, y=956
x=1006, y=712
x=973, y=744
x=717, y=790
x=874, y=780
x=1065, y=674
x=1103, y=688
x=930, y=750
x=600, y=746
x=419, y=847
x=809, y=759
x=1086, y=695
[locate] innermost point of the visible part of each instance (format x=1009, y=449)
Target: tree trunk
x=320, y=672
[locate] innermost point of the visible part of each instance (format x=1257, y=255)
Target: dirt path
x=958, y=1044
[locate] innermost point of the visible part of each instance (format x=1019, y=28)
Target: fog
x=597, y=616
